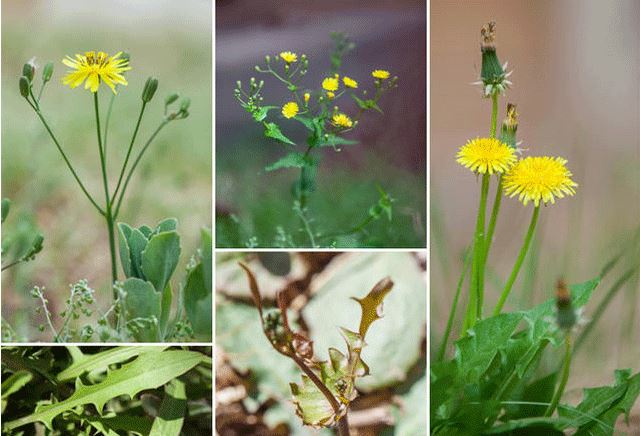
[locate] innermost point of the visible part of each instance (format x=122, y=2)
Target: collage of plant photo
x=316, y=218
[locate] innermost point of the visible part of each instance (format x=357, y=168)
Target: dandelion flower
x=290, y=109
x=486, y=155
x=307, y=96
x=289, y=57
x=381, y=74
x=349, y=82
x=539, y=178
x=331, y=95
x=330, y=84
x=94, y=68
x=342, y=120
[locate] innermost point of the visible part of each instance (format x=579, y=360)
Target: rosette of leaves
x=149, y=257
x=328, y=387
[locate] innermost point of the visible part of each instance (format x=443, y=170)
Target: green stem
x=565, y=377
x=105, y=182
x=135, y=164
x=494, y=114
x=519, y=260
x=126, y=159
x=66, y=160
x=454, y=308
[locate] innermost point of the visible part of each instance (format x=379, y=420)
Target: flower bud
x=149, y=89
x=170, y=99
x=184, y=104
x=566, y=315
x=28, y=70
x=24, y=86
x=47, y=72
x=510, y=126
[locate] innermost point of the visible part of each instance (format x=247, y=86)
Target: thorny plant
x=328, y=387
x=489, y=386
x=96, y=69
x=316, y=109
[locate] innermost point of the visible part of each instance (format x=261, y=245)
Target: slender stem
x=66, y=160
x=105, y=182
x=106, y=123
x=494, y=114
x=126, y=159
x=565, y=377
x=474, y=311
x=135, y=164
x=519, y=260
x=14, y=263
x=454, y=308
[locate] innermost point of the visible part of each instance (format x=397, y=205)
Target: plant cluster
x=141, y=390
x=493, y=384
x=326, y=124
x=328, y=387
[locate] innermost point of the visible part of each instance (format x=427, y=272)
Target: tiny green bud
x=184, y=104
x=24, y=87
x=41, y=327
x=28, y=70
x=47, y=72
x=170, y=99
x=149, y=89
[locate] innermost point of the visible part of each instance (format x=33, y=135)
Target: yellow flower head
x=486, y=155
x=290, y=109
x=381, y=74
x=94, y=68
x=331, y=95
x=289, y=57
x=539, y=178
x=307, y=96
x=342, y=120
x=330, y=84
x=349, y=82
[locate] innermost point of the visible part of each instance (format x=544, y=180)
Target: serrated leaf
x=292, y=160
x=160, y=258
x=99, y=362
x=172, y=410
x=272, y=130
x=262, y=113
x=147, y=371
x=371, y=305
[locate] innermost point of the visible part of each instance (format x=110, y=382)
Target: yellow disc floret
x=381, y=74
x=349, y=82
x=290, y=110
x=289, y=57
x=342, y=120
x=94, y=68
x=539, y=179
x=486, y=155
x=330, y=84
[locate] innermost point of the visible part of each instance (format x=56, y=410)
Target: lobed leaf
x=272, y=130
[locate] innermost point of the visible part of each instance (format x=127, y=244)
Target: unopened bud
x=566, y=315
x=184, y=104
x=24, y=86
x=28, y=70
x=510, y=126
x=170, y=99
x=47, y=72
x=492, y=72
x=149, y=89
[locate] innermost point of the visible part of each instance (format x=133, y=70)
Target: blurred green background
x=575, y=67
x=391, y=151
x=169, y=40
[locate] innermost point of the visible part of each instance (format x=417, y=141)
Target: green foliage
x=100, y=391
x=22, y=245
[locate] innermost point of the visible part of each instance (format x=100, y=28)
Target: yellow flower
x=381, y=74
x=486, y=155
x=330, y=95
x=330, y=84
x=95, y=68
x=307, y=96
x=349, y=82
x=290, y=109
x=342, y=120
x=289, y=57
x=539, y=178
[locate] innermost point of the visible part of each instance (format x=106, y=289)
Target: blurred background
x=576, y=70
x=391, y=150
x=169, y=40
x=252, y=379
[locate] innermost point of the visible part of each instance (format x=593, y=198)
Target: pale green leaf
x=172, y=410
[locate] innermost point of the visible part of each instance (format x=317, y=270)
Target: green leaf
x=124, y=231
x=198, y=302
x=207, y=253
x=160, y=258
x=165, y=309
x=6, y=206
x=147, y=371
x=541, y=425
x=137, y=244
x=13, y=384
x=166, y=225
x=271, y=130
x=366, y=104
x=99, y=362
x=171, y=416
x=292, y=160
x=260, y=114
x=142, y=301
x=333, y=140
x=312, y=406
